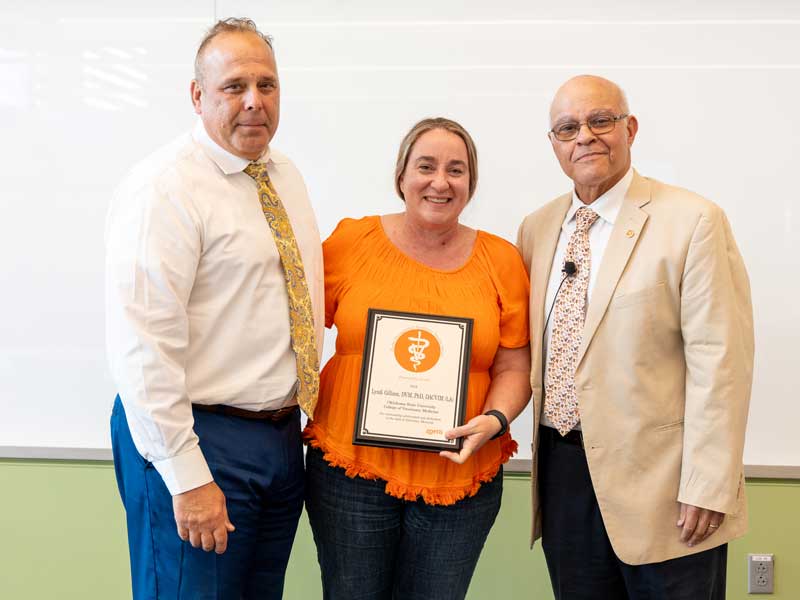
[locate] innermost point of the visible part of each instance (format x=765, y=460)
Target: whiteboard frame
x=515, y=465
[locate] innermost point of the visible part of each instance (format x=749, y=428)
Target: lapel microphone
x=569, y=269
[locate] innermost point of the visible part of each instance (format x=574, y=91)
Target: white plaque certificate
x=413, y=380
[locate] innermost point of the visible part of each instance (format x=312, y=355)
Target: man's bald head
x=584, y=86
x=595, y=158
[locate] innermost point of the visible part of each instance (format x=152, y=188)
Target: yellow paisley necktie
x=301, y=313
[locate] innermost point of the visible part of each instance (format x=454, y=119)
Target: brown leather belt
x=574, y=436
x=260, y=415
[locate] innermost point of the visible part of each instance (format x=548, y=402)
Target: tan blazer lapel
x=624, y=236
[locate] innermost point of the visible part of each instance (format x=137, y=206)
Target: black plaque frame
x=363, y=437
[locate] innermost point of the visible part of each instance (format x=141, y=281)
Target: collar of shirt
x=606, y=206
x=228, y=163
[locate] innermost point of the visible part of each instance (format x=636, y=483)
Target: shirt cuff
x=184, y=472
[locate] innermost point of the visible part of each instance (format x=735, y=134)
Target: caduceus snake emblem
x=417, y=349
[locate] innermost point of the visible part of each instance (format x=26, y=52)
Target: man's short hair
x=229, y=25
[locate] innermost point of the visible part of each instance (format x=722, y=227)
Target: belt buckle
x=281, y=413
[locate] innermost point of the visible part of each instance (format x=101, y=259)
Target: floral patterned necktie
x=301, y=313
x=561, y=401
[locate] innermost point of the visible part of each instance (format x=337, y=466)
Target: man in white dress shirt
x=206, y=427
x=642, y=372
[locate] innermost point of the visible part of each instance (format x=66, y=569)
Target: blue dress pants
x=259, y=467
x=372, y=546
x=580, y=559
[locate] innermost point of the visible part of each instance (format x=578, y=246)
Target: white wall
x=87, y=88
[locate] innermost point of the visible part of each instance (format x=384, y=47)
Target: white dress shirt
x=607, y=207
x=196, y=302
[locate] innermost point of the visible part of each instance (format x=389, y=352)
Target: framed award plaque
x=413, y=380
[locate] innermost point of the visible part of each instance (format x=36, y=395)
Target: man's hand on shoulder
x=202, y=518
x=698, y=524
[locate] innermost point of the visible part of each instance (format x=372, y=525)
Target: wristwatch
x=503, y=422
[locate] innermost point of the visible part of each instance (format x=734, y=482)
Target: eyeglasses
x=564, y=132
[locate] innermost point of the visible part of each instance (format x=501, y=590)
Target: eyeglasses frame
x=552, y=132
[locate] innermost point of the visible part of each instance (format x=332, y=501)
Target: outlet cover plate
x=760, y=573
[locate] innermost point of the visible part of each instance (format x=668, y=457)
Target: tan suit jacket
x=664, y=369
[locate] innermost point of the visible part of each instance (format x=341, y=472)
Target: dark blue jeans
x=259, y=467
x=580, y=559
x=372, y=546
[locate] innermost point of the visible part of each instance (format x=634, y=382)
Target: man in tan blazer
x=642, y=374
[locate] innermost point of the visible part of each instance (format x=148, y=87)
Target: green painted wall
x=62, y=536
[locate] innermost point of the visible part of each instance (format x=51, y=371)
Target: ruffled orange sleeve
x=513, y=287
x=334, y=255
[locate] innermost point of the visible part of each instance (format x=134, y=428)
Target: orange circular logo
x=417, y=350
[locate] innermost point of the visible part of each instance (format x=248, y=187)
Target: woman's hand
x=476, y=433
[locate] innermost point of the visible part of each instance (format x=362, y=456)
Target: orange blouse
x=363, y=270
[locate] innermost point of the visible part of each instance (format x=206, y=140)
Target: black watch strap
x=503, y=422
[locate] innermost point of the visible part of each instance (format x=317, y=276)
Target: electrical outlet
x=760, y=573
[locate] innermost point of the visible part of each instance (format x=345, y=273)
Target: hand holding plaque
x=413, y=380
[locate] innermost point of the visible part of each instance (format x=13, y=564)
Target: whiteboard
x=87, y=89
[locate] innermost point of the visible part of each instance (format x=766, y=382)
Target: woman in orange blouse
x=401, y=523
